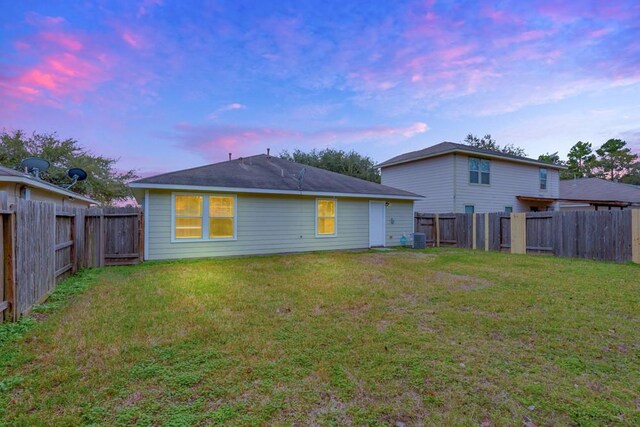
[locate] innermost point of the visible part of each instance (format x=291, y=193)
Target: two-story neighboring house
x=460, y=178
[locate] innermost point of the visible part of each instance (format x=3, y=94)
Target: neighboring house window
x=479, y=171
x=326, y=217
x=508, y=209
x=221, y=217
x=543, y=178
x=188, y=211
x=469, y=209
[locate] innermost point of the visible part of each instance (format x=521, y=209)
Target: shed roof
x=267, y=174
x=452, y=147
x=599, y=190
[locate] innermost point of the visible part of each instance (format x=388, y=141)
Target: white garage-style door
x=376, y=224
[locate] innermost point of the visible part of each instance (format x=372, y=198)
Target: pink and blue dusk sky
x=166, y=85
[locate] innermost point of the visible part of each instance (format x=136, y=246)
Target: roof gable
x=451, y=147
x=264, y=172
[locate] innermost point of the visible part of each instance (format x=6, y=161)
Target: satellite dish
x=35, y=165
x=76, y=174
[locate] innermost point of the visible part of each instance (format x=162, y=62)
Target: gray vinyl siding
x=271, y=224
x=508, y=180
x=431, y=178
x=444, y=181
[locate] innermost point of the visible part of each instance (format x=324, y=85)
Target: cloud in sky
x=313, y=73
x=215, y=142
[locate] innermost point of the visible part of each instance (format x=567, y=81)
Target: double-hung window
x=326, y=217
x=188, y=217
x=543, y=178
x=221, y=217
x=479, y=171
x=204, y=217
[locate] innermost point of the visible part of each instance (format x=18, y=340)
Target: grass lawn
x=394, y=338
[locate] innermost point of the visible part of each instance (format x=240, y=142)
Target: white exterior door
x=376, y=224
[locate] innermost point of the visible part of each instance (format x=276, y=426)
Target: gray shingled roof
x=596, y=189
x=270, y=173
x=452, y=147
x=5, y=171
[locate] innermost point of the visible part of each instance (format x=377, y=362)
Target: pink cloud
x=215, y=142
x=39, y=20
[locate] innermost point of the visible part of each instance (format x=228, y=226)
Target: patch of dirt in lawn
x=356, y=309
x=382, y=325
x=458, y=282
x=40, y=317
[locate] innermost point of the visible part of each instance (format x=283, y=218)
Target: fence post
x=518, y=233
x=635, y=235
x=474, y=238
x=9, y=252
x=486, y=232
x=437, y=227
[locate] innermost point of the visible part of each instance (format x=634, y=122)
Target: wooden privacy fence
x=43, y=243
x=601, y=235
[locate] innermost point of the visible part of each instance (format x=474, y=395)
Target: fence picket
x=600, y=235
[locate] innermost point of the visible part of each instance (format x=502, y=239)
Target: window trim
x=480, y=160
x=472, y=207
x=205, y=217
x=508, y=207
x=335, y=219
x=546, y=179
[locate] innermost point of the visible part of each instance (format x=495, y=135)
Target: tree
x=580, y=161
x=633, y=175
x=104, y=183
x=615, y=159
x=551, y=158
x=347, y=163
x=488, y=143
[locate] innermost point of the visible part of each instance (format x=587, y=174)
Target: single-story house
x=597, y=194
x=464, y=179
x=263, y=205
x=20, y=185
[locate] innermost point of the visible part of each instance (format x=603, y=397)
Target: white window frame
x=335, y=230
x=480, y=160
x=546, y=179
x=205, y=217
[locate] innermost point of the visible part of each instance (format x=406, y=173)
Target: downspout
x=455, y=181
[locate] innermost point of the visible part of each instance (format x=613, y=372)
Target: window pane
x=221, y=206
x=188, y=205
x=326, y=226
x=469, y=209
x=485, y=166
x=508, y=209
x=473, y=164
x=188, y=228
x=474, y=177
x=485, y=178
x=221, y=228
x=327, y=208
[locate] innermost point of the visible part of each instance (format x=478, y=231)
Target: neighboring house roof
x=267, y=174
x=451, y=147
x=598, y=190
x=12, y=175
